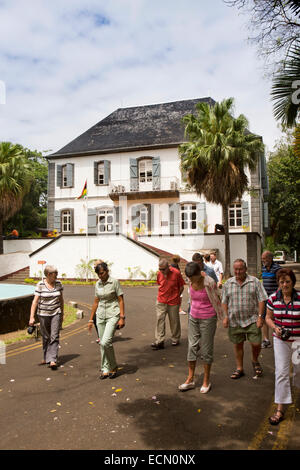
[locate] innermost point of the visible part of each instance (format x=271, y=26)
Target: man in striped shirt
x=243, y=301
x=269, y=269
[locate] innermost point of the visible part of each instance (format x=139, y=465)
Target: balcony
x=167, y=187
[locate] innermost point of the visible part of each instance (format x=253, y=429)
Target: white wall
x=187, y=245
x=67, y=251
x=26, y=245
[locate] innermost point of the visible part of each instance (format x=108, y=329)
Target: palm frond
x=284, y=89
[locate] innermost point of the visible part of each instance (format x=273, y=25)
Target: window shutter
x=118, y=219
x=70, y=175
x=134, y=185
x=135, y=216
x=156, y=173
x=149, y=217
x=57, y=221
x=59, y=176
x=72, y=220
x=96, y=173
x=245, y=212
x=174, y=218
x=201, y=216
x=92, y=221
x=106, y=171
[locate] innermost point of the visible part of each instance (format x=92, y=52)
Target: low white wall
x=66, y=253
x=187, y=245
x=12, y=262
x=27, y=244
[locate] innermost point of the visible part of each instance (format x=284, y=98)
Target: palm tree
x=286, y=89
x=14, y=182
x=216, y=155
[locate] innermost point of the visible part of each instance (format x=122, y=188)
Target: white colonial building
x=130, y=164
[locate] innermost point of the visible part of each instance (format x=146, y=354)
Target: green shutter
x=57, y=221
x=134, y=184
x=201, y=217
x=70, y=175
x=106, y=171
x=92, y=221
x=156, y=173
x=59, y=176
x=245, y=213
x=174, y=218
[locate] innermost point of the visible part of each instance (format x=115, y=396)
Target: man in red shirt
x=170, y=287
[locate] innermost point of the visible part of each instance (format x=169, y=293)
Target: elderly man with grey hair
x=170, y=287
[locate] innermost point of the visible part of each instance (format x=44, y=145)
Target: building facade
x=130, y=165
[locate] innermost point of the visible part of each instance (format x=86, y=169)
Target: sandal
x=275, y=419
x=237, y=374
x=103, y=376
x=257, y=369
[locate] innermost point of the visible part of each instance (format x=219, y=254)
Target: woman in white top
x=48, y=303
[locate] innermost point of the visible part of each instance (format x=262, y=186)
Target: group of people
x=243, y=304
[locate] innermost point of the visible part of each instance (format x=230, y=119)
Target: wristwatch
x=122, y=318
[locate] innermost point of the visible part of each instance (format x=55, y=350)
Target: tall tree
x=33, y=212
x=284, y=188
x=15, y=180
x=216, y=156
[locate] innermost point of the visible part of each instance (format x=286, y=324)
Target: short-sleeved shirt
x=269, y=278
x=286, y=315
x=49, y=303
x=242, y=300
x=169, y=287
x=108, y=294
x=217, y=267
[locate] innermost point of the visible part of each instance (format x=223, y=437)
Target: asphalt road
x=141, y=409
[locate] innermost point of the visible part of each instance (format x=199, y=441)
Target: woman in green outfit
x=110, y=314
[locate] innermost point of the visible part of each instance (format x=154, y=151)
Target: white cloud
x=66, y=65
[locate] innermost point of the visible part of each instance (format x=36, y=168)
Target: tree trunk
x=1, y=236
x=227, y=242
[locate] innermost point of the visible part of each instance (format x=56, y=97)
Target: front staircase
x=16, y=277
x=168, y=256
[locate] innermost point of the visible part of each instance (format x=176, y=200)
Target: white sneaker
x=184, y=387
x=205, y=389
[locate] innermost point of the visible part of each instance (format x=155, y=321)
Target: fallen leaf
x=154, y=397
x=113, y=388
x=199, y=410
x=113, y=394
x=52, y=411
x=137, y=380
x=58, y=403
x=12, y=380
x=171, y=365
x=91, y=403
x=119, y=390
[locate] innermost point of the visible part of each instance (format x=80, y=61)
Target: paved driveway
x=141, y=409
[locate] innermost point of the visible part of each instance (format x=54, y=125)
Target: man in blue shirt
x=269, y=269
x=198, y=258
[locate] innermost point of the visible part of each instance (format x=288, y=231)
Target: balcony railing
x=170, y=183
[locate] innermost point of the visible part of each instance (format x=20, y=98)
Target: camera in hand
x=30, y=329
x=285, y=334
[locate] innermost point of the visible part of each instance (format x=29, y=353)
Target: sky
x=67, y=64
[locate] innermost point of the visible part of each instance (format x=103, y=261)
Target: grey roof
x=140, y=127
